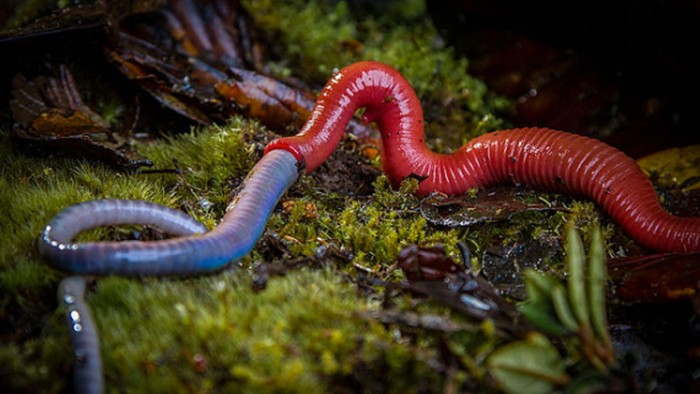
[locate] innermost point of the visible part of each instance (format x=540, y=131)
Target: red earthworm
x=545, y=159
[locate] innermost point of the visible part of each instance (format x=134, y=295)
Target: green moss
x=315, y=38
x=303, y=332
x=210, y=164
x=375, y=230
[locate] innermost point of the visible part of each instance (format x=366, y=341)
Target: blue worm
x=87, y=375
x=192, y=251
x=187, y=254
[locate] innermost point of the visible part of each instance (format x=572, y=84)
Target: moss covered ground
x=314, y=329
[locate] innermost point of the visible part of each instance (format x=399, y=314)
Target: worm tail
x=562, y=162
x=86, y=345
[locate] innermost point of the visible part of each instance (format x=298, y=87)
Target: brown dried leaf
x=432, y=273
x=657, y=277
x=490, y=206
x=50, y=111
x=204, y=61
x=52, y=106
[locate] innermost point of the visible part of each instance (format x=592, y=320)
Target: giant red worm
x=542, y=158
x=547, y=159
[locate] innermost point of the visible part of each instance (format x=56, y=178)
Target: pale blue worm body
x=87, y=375
x=192, y=251
x=188, y=254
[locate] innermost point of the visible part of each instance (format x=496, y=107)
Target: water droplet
x=474, y=302
x=75, y=316
x=68, y=299
x=77, y=327
x=206, y=204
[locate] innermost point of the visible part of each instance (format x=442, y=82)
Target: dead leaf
x=488, y=206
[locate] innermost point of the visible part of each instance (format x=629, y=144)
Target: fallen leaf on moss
x=488, y=206
x=50, y=111
x=674, y=167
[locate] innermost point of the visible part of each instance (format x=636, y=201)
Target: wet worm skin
x=87, y=373
x=545, y=159
x=190, y=253
x=194, y=250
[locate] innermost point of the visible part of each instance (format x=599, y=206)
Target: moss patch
x=299, y=335
x=457, y=106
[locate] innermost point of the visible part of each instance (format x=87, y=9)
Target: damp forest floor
x=311, y=309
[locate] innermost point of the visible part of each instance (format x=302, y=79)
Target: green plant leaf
x=542, y=317
x=563, y=309
x=531, y=366
x=597, y=275
x=538, y=285
x=538, y=308
x=576, y=263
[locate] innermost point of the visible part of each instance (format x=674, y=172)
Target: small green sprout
x=574, y=314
